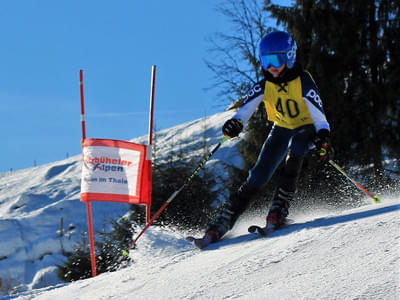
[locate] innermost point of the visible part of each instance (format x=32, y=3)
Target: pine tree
x=78, y=265
x=109, y=255
x=192, y=208
x=108, y=251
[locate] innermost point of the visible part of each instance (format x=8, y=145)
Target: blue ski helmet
x=277, y=48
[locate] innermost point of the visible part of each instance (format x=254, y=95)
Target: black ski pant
x=281, y=142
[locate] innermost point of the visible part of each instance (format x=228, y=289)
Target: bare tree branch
x=235, y=62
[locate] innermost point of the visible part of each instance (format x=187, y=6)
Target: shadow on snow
x=317, y=223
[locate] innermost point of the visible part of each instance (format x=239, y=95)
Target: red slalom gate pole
x=88, y=204
x=82, y=105
x=150, y=140
x=91, y=238
x=151, y=112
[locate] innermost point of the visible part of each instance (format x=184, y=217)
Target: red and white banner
x=114, y=170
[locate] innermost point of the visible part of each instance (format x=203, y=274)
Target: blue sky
x=44, y=44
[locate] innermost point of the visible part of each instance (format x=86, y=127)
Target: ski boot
x=203, y=242
x=217, y=228
x=279, y=209
x=227, y=216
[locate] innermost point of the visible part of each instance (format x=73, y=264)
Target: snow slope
x=349, y=255
x=330, y=255
x=41, y=215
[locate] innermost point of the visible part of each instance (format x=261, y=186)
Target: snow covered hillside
x=349, y=255
x=325, y=255
x=41, y=215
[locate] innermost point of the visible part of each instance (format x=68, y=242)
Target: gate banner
x=116, y=171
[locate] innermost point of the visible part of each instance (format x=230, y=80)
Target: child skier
x=294, y=106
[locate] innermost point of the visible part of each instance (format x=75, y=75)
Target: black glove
x=232, y=127
x=323, y=145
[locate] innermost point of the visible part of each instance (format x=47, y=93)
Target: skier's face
x=276, y=72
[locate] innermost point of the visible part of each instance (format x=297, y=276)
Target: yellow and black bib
x=285, y=105
x=291, y=101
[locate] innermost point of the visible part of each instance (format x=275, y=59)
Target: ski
x=263, y=231
x=259, y=231
x=200, y=243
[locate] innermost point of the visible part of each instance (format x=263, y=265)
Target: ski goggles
x=273, y=59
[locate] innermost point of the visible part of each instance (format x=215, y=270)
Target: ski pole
x=376, y=198
x=173, y=196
